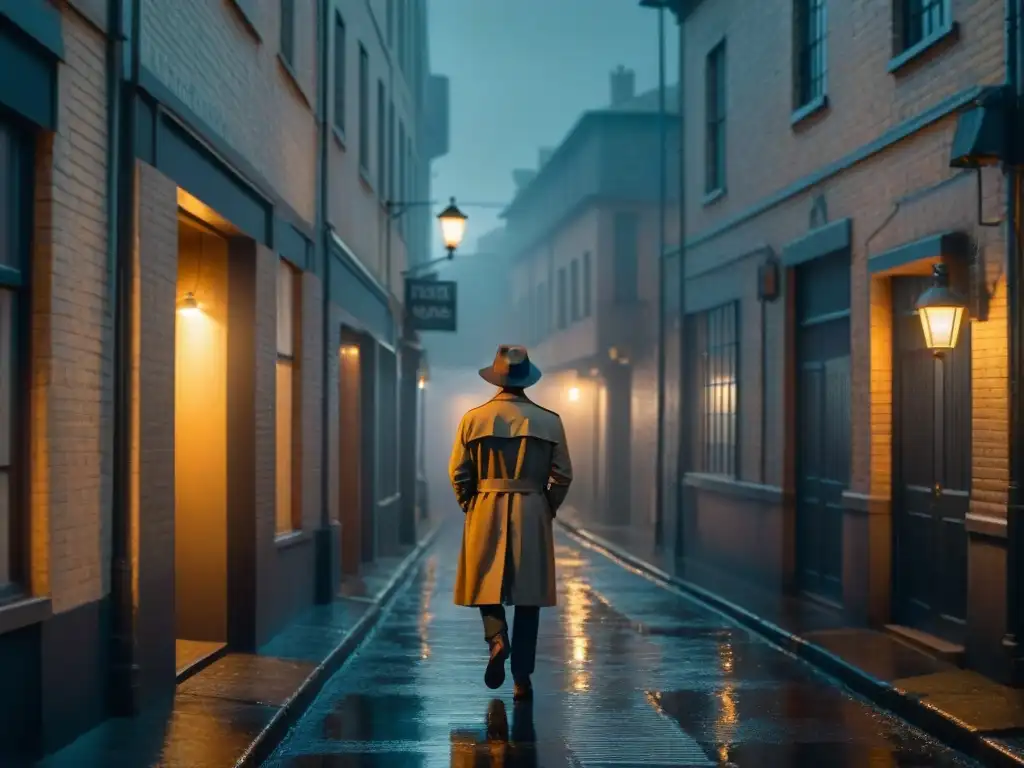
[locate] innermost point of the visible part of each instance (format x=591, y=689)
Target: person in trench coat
x=511, y=471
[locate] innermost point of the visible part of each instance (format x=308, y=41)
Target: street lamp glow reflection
x=453, y=226
x=574, y=394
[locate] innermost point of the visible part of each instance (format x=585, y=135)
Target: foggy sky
x=522, y=71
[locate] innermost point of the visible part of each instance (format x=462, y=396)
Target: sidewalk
x=966, y=710
x=236, y=710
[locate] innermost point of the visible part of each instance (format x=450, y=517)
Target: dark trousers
x=524, y=634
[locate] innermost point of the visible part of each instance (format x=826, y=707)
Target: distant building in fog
x=582, y=240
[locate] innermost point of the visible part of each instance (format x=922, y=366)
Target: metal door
x=931, y=472
x=823, y=422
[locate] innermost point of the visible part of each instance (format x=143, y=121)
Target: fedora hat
x=511, y=368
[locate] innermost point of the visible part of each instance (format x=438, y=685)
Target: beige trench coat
x=510, y=469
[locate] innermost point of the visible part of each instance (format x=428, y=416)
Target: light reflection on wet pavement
x=628, y=674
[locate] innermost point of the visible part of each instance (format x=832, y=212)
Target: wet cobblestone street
x=628, y=674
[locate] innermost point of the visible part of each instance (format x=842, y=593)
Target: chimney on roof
x=543, y=155
x=522, y=177
x=623, y=83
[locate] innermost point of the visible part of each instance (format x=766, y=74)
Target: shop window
x=717, y=344
x=288, y=515
x=15, y=170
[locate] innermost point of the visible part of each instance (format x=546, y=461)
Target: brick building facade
x=829, y=453
x=582, y=232
x=196, y=202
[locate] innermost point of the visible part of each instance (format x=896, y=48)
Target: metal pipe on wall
x=1015, y=331
x=683, y=447
x=659, y=462
x=123, y=32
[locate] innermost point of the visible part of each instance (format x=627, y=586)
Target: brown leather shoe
x=522, y=690
x=494, y=675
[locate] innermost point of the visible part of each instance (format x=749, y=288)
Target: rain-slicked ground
x=628, y=674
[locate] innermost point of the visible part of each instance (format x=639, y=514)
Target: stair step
x=930, y=644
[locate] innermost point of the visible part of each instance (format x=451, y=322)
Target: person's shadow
x=499, y=746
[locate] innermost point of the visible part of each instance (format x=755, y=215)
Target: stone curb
x=913, y=709
x=273, y=733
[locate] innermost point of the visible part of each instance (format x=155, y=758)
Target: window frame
x=626, y=256
x=292, y=361
x=364, y=111
x=810, y=46
x=907, y=36
x=588, y=288
x=286, y=39
x=574, y=291
x=340, y=73
x=16, y=278
x=718, y=346
x=382, y=115
x=563, y=299
x=715, y=117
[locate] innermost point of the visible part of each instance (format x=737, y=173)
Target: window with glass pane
x=587, y=287
x=922, y=19
x=287, y=515
x=714, y=110
x=574, y=289
x=288, y=31
x=719, y=401
x=563, y=300
x=13, y=286
x=625, y=245
x=364, y=109
x=381, y=146
x=809, y=34
x=339, y=73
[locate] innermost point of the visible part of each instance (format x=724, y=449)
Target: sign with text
x=430, y=304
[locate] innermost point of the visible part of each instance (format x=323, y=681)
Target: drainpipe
x=325, y=545
x=683, y=437
x=1015, y=330
x=123, y=31
x=659, y=461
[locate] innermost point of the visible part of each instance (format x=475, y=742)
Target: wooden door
x=823, y=422
x=931, y=472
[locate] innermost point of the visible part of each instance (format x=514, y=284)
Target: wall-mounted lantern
x=188, y=306
x=942, y=311
x=980, y=138
x=574, y=394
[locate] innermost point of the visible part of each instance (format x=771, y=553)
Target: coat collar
x=510, y=396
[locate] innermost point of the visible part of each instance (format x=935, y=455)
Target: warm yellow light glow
x=422, y=383
x=453, y=226
x=720, y=396
x=941, y=326
x=349, y=350
x=574, y=394
x=188, y=306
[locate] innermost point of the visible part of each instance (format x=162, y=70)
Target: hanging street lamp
x=942, y=311
x=453, y=226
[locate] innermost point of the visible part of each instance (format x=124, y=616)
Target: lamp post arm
x=424, y=265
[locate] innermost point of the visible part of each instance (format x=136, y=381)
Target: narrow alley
x=629, y=673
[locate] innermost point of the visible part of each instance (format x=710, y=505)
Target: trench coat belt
x=507, y=485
